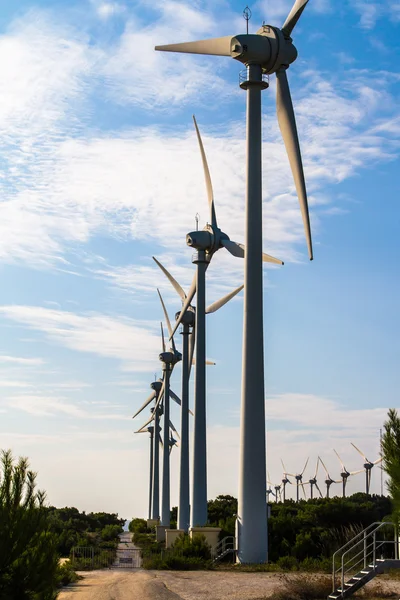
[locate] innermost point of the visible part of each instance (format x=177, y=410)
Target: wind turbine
x=154, y=484
x=299, y=480
x=206, y=243
x=368, y=467
x=285, y=481
x=313, y=482
x=188, y=321
x=345, y=474
x=277, y=489
x=328, y=480
x=268, y=51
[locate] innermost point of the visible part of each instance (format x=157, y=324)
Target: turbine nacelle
x=168, y=358
x=189, y=317
x=156, y=386
x=267, y=48
x=200, y=240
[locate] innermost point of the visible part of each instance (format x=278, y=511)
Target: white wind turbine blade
x=162, y=338
x=359, y=452
x=304, y=491
x=173, y=281
x=146, y=402
x=316, y=469
x=210, y=363
x=222, y=301
x=168, y=321
x=293, y=17
x=173, y=429
x=357, y=472
x=192, y=342
x=340, y=460
x=238, y=250
x=177, y=399
x=285, y=472
x=210, y=194
x=320, y=493
x=143, y=429
x=305, y=466
x=326, y=470
x=214, y=46
x=186, y=304
x=378, y=460
x=287, y=125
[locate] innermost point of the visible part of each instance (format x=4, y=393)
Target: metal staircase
x=226, y=546
x=370, y=553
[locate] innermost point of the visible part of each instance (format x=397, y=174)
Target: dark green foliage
x=196, y=547
x=304, y=530
x=110, y=533
x=185, y=555
x=175, y=562
x=315, y=529
x=222, y=513
x=138, y=526
x=28, y=550
x=391, y=458
x=66, y=575
x=74, y=528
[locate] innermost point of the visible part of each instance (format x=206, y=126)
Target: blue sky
x=100, y=170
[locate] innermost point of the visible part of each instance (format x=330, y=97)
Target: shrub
x=66, y=575
x=303, y=587
x=287, y=563
x=197, y=547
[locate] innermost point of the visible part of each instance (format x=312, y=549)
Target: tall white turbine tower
x=269, y=51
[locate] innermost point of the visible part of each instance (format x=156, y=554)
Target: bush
x=303, y=587
x=66, y=575
x=287, y=563
x=138, y=526
x=197, y=547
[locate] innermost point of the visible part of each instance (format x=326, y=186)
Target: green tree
x=391, y=458
x=28, y=551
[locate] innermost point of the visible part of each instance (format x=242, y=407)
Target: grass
x=317, y=587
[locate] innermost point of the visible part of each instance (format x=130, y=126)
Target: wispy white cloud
x=20, y=360
x=133, y=343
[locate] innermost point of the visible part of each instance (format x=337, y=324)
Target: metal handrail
x=369, y=549
x=221, y=547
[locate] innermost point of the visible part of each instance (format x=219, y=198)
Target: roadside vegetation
x=74, y=528
x=29, y=558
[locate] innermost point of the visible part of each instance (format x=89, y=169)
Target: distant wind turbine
x=368, y=465
x=299, y=480
x=188, y=321
x=313, y=482
x=285, y=481
x=328, y=480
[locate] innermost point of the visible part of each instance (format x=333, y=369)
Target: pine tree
x=391, y=458
x=28, y=554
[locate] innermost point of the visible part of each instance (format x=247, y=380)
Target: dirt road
x=178, y=585
x=162, y=585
